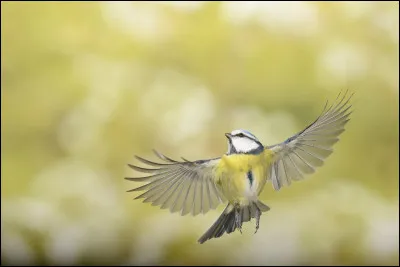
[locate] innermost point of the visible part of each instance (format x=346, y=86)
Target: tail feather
x=227, y=220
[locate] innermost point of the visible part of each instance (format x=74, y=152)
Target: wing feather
x=302, y=153
x=154, y=190
x=180, y=200
x=181, y=186
x=164, y=200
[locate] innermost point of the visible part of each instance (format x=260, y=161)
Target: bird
x=238, y=177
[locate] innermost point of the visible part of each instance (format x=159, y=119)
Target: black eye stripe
x=243, y=135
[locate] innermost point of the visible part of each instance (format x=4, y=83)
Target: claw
x=257, y=216
x=237, y=219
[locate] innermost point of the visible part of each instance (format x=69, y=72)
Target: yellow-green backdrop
x=85, y=86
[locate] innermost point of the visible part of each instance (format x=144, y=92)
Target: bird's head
x=242, y=141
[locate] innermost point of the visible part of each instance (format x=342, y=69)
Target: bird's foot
x=257, y=216
x=238, y=220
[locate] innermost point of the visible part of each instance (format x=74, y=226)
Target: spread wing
x=302, y=153
x=186, y=186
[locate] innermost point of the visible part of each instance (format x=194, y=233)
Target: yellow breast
x=232, y=174
x=244, y=162
x=239, y=162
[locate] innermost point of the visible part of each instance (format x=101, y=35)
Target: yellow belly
x=233, y=176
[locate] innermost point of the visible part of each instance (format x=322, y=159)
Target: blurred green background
x=87, y=85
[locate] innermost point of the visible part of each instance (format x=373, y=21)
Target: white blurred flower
x=138, y=19
x=180, y=106
x=342, y=61
x=15, y=249
x=297, y=18
x=183, y=5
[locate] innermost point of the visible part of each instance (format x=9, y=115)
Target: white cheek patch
x=244, y=144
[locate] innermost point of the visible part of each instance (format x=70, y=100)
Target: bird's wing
x=188, y=186
x=302, y=153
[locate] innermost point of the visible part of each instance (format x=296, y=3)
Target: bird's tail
x=233, y=217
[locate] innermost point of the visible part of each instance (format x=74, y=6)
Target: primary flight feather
x=239, y=176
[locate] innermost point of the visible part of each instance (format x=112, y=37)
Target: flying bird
x=239, y=176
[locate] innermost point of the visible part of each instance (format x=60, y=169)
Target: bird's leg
x=237, y=218
x=257, y=216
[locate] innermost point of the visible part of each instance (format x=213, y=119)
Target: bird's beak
x=228, y=135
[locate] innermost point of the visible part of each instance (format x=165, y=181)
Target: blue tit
x=238, y=177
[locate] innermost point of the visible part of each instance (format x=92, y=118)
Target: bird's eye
x=240, y=135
